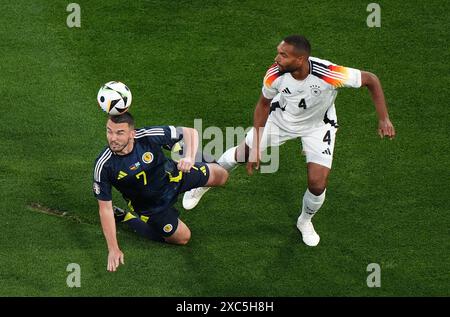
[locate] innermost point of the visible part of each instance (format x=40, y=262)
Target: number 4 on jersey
x=302, y=103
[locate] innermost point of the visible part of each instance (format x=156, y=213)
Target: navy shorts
x=166, y=221
x=197, y=177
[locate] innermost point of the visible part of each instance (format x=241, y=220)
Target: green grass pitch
x=387, y=201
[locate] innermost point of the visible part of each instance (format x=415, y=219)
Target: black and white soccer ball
x=114, y=98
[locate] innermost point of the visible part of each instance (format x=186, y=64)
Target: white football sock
x=311, y=204
x=227, y=160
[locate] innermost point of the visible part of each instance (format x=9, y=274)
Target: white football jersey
x=299, y=105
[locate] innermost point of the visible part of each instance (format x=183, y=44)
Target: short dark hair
x=300, y=43
x=123, y=118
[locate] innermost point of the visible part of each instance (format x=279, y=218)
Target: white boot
x=192, y=197
x=309, y=235
x=311, y=204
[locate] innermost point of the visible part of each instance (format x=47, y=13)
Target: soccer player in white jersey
x=297, y=101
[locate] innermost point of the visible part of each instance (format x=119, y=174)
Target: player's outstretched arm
x=260, y=116
x=385, y=126
x=115, y=256
x=190, y=137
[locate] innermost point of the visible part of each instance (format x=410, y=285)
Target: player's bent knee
x=317, y=185
x=186, y=236
x=180, y=239
x=223, y=176
x=184, y=239
x=181, y=236
x=218, y=176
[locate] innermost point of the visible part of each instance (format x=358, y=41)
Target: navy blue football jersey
x=145, y=177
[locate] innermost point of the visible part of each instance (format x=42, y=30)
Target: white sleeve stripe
x=330, y=75
x=173, y=132
x=150, y=130
x=332, y=72
x=145, y=133
x=105, y=153
x=272, y=70
x=358, y=78
x=329, y=72
x=148, y=134
x=100, y=163
x=270, y=73
x=99, y=167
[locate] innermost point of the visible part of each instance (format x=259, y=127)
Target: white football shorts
x=317, y=143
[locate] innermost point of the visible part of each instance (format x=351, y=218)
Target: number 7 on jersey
x=138, y=176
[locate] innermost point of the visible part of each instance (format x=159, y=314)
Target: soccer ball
x=114, y=98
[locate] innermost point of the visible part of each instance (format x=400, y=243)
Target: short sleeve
x=102, y=184
x=270, y=82
x=345, y=76
x=165, y=136
x=335, y=75
x=102, y=190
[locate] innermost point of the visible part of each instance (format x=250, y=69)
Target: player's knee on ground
x=181, y=236
x=185, y=238
x=180, y=239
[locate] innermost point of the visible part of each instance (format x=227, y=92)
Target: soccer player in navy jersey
x=134, y=164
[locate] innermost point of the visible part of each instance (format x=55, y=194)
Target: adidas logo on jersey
x=327, y=151
x=286, y=91
x=121, y=175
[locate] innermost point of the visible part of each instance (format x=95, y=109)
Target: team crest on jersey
x=167, y=228
x=315, y=90
x=96, y=188
x=147, y=157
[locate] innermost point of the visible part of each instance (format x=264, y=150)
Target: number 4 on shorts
x=327, y=137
